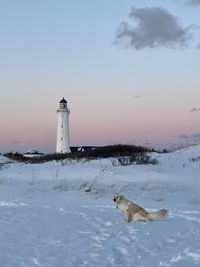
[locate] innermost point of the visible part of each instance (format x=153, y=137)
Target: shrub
x=136, y=153
x=137, y=159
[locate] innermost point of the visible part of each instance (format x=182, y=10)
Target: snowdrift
x=61, y=213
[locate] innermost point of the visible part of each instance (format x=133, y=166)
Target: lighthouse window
x=61, y=126
x=61, y=138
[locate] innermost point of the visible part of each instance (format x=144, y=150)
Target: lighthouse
x=63, y=128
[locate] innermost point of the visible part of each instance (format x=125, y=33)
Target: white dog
x=134, y=212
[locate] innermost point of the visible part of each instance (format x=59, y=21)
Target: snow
x=61, y=214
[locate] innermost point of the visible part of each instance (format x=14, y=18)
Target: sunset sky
x=130, y=71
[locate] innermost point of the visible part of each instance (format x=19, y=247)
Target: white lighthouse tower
x=63, y=128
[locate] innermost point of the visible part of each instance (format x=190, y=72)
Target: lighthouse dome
x=63, y=101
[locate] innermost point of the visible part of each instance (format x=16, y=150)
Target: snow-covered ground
x=61, y=214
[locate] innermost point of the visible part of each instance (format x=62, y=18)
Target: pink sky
x=137, y=121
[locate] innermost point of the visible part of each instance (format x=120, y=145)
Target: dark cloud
x=193, y=138
x=138, y=96
x=193, y=2
x=155, y=27
x=194, y=110
x=184, y=136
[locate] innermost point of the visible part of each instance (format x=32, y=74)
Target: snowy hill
x=4, y=160
x=61, y=214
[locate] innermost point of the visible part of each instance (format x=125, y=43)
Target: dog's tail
x=157, y=214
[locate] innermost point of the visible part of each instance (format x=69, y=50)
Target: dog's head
x=117, y=198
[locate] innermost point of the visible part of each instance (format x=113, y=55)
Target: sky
x=128, y=69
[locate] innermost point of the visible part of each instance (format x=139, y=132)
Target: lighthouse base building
x=62, y=145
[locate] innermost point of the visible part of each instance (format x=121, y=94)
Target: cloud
x=184, y=136
x=155, y=27
x=194, y=110
x=138, y=96
x=193, y=138
x=193, y=2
